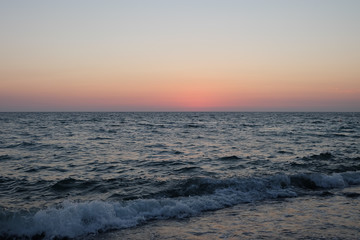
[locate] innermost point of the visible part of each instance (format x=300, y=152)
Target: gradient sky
x=188, y=55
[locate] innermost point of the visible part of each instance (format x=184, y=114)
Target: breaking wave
x=73, y=219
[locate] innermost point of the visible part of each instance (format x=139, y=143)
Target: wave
x=22, y=144
x=187, y=169
x=5, y=157
x=326, y=163
x=100, y=138
x=230, y=158
x=194, y=125
x=33, y=146
x=321, y=156
x=75, y=219
x=70, y=183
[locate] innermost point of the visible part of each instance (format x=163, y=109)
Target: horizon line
x=186, y=111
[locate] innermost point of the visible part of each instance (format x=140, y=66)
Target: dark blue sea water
x=78, y=175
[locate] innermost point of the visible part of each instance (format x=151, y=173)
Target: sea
x=180, y=175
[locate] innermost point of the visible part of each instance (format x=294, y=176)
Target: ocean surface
x=180, y=175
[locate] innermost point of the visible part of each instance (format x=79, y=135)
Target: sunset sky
x=188, y=55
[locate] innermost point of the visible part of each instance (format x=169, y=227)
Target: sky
x=188, y=55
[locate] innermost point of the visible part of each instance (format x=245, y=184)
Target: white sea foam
x=72, y=219
x=352, y=178
x=328, y=181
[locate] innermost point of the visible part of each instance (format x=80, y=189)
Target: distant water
x=79, y=174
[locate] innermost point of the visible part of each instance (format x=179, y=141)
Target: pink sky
x=180, y=56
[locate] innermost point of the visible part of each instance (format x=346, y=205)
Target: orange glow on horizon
x=183, y=93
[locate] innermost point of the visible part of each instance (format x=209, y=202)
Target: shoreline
x=306, y=217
